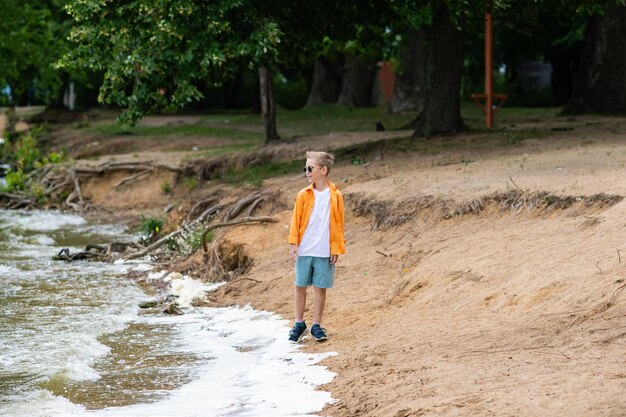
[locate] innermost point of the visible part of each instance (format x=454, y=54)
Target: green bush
x=26, y=152
x=16, y=181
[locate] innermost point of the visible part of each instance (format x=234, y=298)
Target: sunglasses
x=308, y=169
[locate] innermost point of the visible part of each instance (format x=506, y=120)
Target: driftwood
x=175, y=233
x=245, y=220
x=95, y=252
x=155, y=245
x=65, y=255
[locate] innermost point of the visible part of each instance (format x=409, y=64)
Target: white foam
x=248, y=369
x=157, y=275
x=270, y=378
x=142, y=268
x=45, y=240
x=188, y=289
x=45, y=221
x=8, y=269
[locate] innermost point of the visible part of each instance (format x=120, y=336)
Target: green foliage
x=38, y=192
x=140, y=46
x=150, y=226
x=52, y=158
x=26, y=152
x=194, y=239
x=33, y=36
x=166, y=188
x=15, y=181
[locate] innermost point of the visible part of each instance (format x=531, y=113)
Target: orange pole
x=489, y=69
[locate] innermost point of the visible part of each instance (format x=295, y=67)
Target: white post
x=72, y=96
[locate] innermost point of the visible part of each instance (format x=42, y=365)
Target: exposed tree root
x=125, y=166
x=16, y=201
x=246, y=220
x=240, y=205
x=76, y=194
x=199, y=206
x=132, y=178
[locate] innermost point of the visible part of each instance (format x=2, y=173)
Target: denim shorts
x=316, y=271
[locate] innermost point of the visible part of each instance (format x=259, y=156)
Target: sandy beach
x=483, y=277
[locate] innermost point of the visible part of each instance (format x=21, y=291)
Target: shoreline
x=478, y=280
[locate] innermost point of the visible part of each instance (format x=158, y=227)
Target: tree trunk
x=268, y=107
x=599, y=84
x=408, y=93
x=442, y=87
x=326, y=83
x=356, y=85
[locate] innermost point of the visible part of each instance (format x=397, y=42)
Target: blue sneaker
x=319, y=333
x=297, y=331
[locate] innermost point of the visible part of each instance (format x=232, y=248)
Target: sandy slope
x=497, y=313
x=501, y=312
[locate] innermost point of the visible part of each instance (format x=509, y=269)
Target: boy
x=316, y=240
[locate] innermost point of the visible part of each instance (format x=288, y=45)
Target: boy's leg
x=300, y=301
x=318, y=304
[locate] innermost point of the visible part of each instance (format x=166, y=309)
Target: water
x=73, y=341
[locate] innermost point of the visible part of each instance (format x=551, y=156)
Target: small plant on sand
x=150, y=226
x=357, y=160
x=190, y=183
x=166, y=188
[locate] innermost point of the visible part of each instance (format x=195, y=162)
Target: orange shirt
x=302, y=212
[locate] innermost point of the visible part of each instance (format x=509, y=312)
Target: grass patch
x=256, y=174
x=506, y=116
x=191, y=183
x=113, y=129
x=318, y=120
x=166, y=188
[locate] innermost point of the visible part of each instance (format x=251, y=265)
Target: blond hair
x=323, y=159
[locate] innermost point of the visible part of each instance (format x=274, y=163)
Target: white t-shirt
x=316, y=239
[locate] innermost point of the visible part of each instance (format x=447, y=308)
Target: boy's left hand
x=333, y=259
